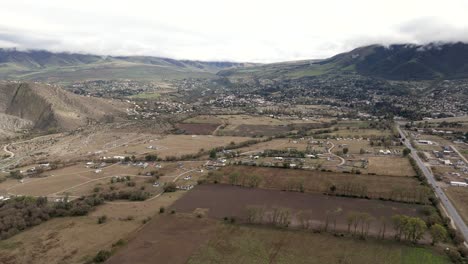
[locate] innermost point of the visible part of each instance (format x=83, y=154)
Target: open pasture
x=175, y=145
x=247, y=244
x=55, y=241
x=233, y=201
x=459, y=197
x=201, y=240
x=196, y=128
x=373, y=186
x=391, y=166
x=78, y=180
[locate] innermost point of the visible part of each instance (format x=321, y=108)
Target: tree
x=406, y=151
x=345, y=151
x=16, y=175
x=415, y=228
x=438, y=233
x=213, y=154
x=151, y=157
x=350, y=218
x=234, y=178
x=170, y=187
x=102, y=219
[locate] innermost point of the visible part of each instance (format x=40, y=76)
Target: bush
x=455, y=256
x=102, y=256
x=170, y=187
x=162, y=209
x=102, y=219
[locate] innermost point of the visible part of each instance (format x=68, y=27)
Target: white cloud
x=239, y=30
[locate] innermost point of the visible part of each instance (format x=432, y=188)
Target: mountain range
x=394, y=62
x=40, y=65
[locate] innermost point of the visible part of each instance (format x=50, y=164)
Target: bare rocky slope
x=43, y=107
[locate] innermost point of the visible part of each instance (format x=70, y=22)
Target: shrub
x=170, y=187
x=102, y=256
x=102, y=219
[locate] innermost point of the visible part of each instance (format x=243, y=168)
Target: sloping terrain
x=68, y=67
x=396, y=62
x=40, y=106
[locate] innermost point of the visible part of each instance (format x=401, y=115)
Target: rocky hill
x=44, y=107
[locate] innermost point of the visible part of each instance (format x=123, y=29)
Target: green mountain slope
x=396, y=62
x=69, y=67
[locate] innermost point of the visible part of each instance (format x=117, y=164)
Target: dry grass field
x=319, y=181
x=222, y=200
x=201, y=240
x=391, y=166
x=78, y=239
x=459, y=197
x=358, y=132
x=175, y=145
x=246, y=244
x=78, y=180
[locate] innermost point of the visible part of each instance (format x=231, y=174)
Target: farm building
x=458, y=184
x=425, y=142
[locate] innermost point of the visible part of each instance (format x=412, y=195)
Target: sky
x=228, y=30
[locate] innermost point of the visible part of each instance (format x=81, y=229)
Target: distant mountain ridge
x=408, y=62
x=40, y=65
x=395, y=62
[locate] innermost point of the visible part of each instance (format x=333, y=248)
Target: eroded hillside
x=41, y=106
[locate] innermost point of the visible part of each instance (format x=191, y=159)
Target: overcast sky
x=236, y=30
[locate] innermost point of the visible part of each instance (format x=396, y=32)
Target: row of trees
x=235, y=178
x=358, y=223
x=419, y=194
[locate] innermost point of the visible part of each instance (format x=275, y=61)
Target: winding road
x=329, y=151
x=12, y=155
x=447, y=204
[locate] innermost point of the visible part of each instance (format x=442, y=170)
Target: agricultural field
x=459, y=197
x=247, y=125
x=196, y=128
x=174, y=145
x=391, y=166
x=374, y=186
x=254, y=130
x=220, y=201
x=217, y=242
x=246, y=244
x=359, y=132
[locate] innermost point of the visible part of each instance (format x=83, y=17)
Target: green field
x=244, y=244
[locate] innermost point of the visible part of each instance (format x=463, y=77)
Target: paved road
x=450, y=209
